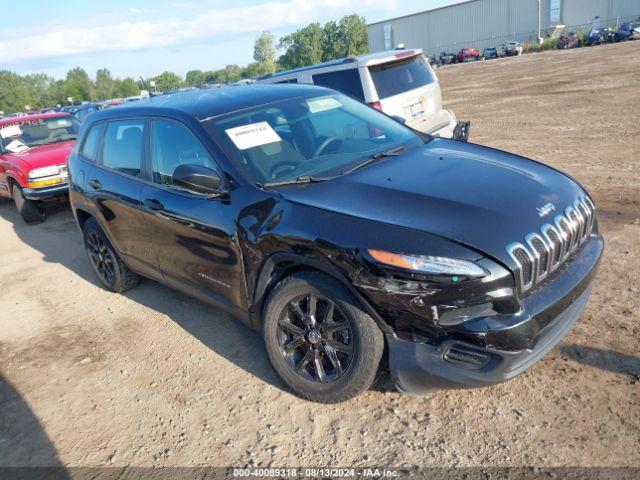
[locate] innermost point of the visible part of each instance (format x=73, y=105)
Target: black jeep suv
x=346, y=237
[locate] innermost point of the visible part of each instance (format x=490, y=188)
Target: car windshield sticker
x=16, y=146
x=323, y=104
x=10, y=131
x=253, y=135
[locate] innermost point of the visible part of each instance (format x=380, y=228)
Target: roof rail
x=329, y=63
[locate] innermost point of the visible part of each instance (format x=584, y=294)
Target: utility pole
x=539, y=24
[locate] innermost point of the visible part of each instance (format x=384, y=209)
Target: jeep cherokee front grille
x=543, y=252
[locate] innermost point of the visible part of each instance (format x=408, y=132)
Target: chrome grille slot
x=543, y=252
x=555, y=242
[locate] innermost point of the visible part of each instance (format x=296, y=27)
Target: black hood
x=477, y=196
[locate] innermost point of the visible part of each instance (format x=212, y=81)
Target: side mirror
x=399, y=119
x=197, y=178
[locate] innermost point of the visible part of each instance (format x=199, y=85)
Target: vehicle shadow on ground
x=23, y=441
x=59, y=241
x=603, y=359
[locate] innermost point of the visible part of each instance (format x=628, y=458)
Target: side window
x=122, y=148
x=347, y=81
x=290, y=80
x=92, y=142
x=172, y=145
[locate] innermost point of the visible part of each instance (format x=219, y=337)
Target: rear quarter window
x=91, y=144
x=346, y=81
x=400, y=76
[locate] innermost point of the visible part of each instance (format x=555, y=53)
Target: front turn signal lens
x=429, y=264
x=44, y=183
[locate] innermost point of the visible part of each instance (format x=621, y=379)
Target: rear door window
x=122, y=150
x=400, y=76
x=346, y=81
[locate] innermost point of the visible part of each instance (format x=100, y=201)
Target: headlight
x=44, y=172
x=429, y=264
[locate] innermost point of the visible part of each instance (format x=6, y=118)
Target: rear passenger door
x=115, y=185
x=193, y=235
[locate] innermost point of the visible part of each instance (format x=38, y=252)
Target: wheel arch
x=282, y=265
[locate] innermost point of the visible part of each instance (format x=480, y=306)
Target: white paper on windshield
x=10, y=131
x=253, y=135
x=16, y=146
x=323, y=104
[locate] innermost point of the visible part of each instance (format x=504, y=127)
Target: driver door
x=193, y=235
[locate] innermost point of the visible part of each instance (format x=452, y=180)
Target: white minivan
x=400, y=83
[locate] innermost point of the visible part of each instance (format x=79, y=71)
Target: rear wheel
x=109, y=267
x=320, y=341
x=30, y=211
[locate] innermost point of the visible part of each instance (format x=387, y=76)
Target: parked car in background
x=599, y=36
x=490, y=53
x=628, y=31
x=468, y=54
x=448, y=58
x=434, y=61
x=350, y=241
x=570, y=40
x=400, y=83
x=510, y=49
x=82, y=111
x=33, y=160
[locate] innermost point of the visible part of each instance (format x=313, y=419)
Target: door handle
x=153, y=204
x=95, y=184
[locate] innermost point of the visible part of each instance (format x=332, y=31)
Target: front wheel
x=106, y=262
x=30, y=211
x=318, y=338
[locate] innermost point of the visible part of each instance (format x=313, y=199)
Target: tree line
x=314, y=43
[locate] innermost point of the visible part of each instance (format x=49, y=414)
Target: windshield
x=400, y=76
x=319, y=136
x=21, y=135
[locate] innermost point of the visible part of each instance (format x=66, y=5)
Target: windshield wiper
x=393, y=152
x=294, y=181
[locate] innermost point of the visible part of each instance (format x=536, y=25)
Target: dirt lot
x=156, y=378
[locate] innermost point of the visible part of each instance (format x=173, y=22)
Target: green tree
x=353, y=35
x=127, y=87
x=264, y=48
x=302, y=47
x=14, y=95
x=78, y=85
x=105, y=85
x=167, y=81
x=194, y=78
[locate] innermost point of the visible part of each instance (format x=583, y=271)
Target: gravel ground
x=155, y=378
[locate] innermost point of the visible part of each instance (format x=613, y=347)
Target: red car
x=33, y=160
x=468, y=54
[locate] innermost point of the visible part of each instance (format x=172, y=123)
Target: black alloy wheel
x=101, y=257
x=315, y=338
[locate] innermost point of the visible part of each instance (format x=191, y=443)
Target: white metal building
x=488, y=23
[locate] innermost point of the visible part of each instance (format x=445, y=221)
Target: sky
x=145, y=37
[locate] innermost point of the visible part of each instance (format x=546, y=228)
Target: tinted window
x=401, y=76
x=290, y=80
x=122, y=148
x=92, y=142
x=347, y=81
x=172, y=145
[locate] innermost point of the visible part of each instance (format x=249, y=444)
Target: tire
x=337, y=362
x=104, y=259
x=30, y=211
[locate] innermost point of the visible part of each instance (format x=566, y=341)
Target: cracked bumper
x=491, y=350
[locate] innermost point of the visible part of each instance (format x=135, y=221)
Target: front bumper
x=45, y=193
x=490, y=350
